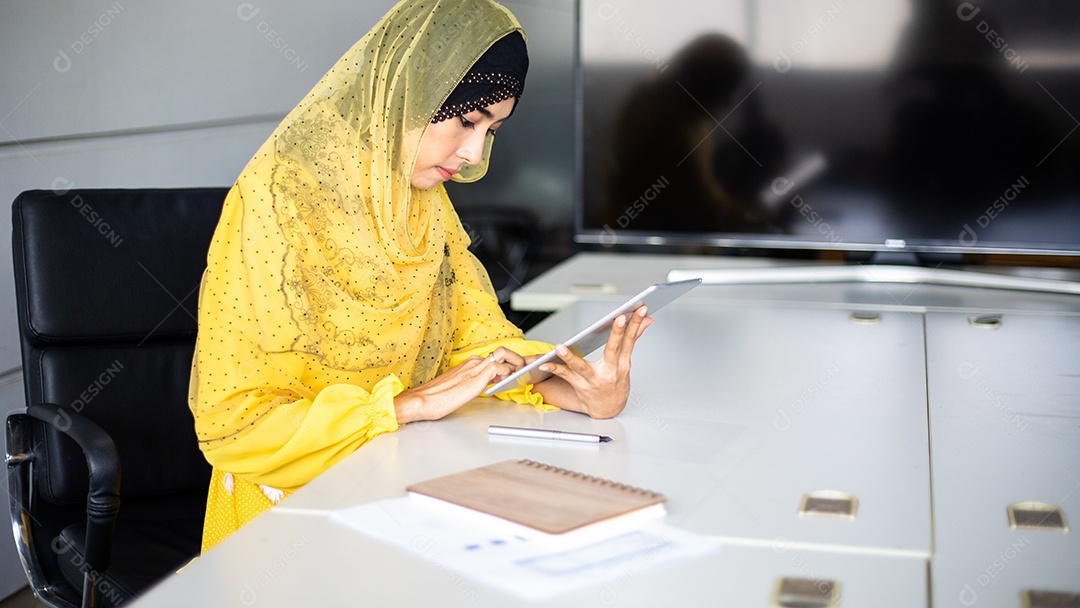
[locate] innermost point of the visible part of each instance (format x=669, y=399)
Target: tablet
x=594, y=336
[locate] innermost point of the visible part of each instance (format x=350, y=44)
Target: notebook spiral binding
x=589, y=478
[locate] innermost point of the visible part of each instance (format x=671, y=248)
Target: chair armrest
x=103, y=463
x=19, y=457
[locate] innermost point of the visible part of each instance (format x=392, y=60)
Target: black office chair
x=506, y=240
x=107, y=285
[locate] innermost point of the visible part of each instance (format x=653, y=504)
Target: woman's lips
x=446, y=173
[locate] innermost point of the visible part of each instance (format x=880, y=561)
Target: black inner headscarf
x=499, y=74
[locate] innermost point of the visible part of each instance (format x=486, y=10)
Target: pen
x=513, y=431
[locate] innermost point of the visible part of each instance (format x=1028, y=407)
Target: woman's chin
x=425, y=182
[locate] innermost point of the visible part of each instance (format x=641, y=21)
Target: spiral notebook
x=542, y=497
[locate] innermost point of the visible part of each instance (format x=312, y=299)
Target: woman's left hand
x=598, y=389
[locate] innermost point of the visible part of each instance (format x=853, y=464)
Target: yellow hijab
x=328, y=267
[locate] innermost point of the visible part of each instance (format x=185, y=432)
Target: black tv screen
x=911, y=125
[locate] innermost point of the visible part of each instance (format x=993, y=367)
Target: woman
x=340, y=300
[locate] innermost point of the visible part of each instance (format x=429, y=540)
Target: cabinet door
x=1004, y=396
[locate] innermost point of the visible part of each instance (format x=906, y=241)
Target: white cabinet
x=1005, y=429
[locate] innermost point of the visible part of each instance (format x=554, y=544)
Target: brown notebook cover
x=539, y=496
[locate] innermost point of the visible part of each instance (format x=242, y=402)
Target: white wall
x=125, y=94
x=131, y=94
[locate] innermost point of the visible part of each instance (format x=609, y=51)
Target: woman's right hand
x=448, y=391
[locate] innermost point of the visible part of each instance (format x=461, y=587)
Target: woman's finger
x=572, y=366
x=617, y=339
x=496, y=371
x=573, y=362
x=647, y=321
x=634, y=329
x=633, y=325
x=507, y=356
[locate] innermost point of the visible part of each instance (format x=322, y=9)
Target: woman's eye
x=465, y=122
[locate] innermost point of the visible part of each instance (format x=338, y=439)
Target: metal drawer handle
x=1050, y=599
x=1037, y=516
x=829, y=503
x=866, y=318
x=985, y=321
x=806, y=593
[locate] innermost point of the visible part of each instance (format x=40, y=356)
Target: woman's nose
x=472, y=151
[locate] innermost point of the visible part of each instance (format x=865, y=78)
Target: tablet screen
x=594, y=336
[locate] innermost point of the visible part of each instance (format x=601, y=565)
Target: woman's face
x=451, y=143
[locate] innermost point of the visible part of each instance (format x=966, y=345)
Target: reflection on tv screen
x=929, y=125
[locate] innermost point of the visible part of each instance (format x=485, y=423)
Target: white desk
x=739, y=407
x=294, y=556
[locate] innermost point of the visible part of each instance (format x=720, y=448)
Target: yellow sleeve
x=298, y=440
x=480, y=325
x=280, y=419
x=522, y=394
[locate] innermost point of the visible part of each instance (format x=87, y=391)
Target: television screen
x=911, y=125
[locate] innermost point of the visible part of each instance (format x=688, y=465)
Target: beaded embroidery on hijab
x=499, y=74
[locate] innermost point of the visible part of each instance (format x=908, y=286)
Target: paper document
x=499, y=554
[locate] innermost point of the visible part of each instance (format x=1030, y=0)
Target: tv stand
x=905, y=258
x=617, y=276
x=875, y=273
x=899, y=258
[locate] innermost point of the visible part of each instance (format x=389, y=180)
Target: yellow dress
x=332, y=284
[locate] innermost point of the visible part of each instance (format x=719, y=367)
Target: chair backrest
x=107, y=285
